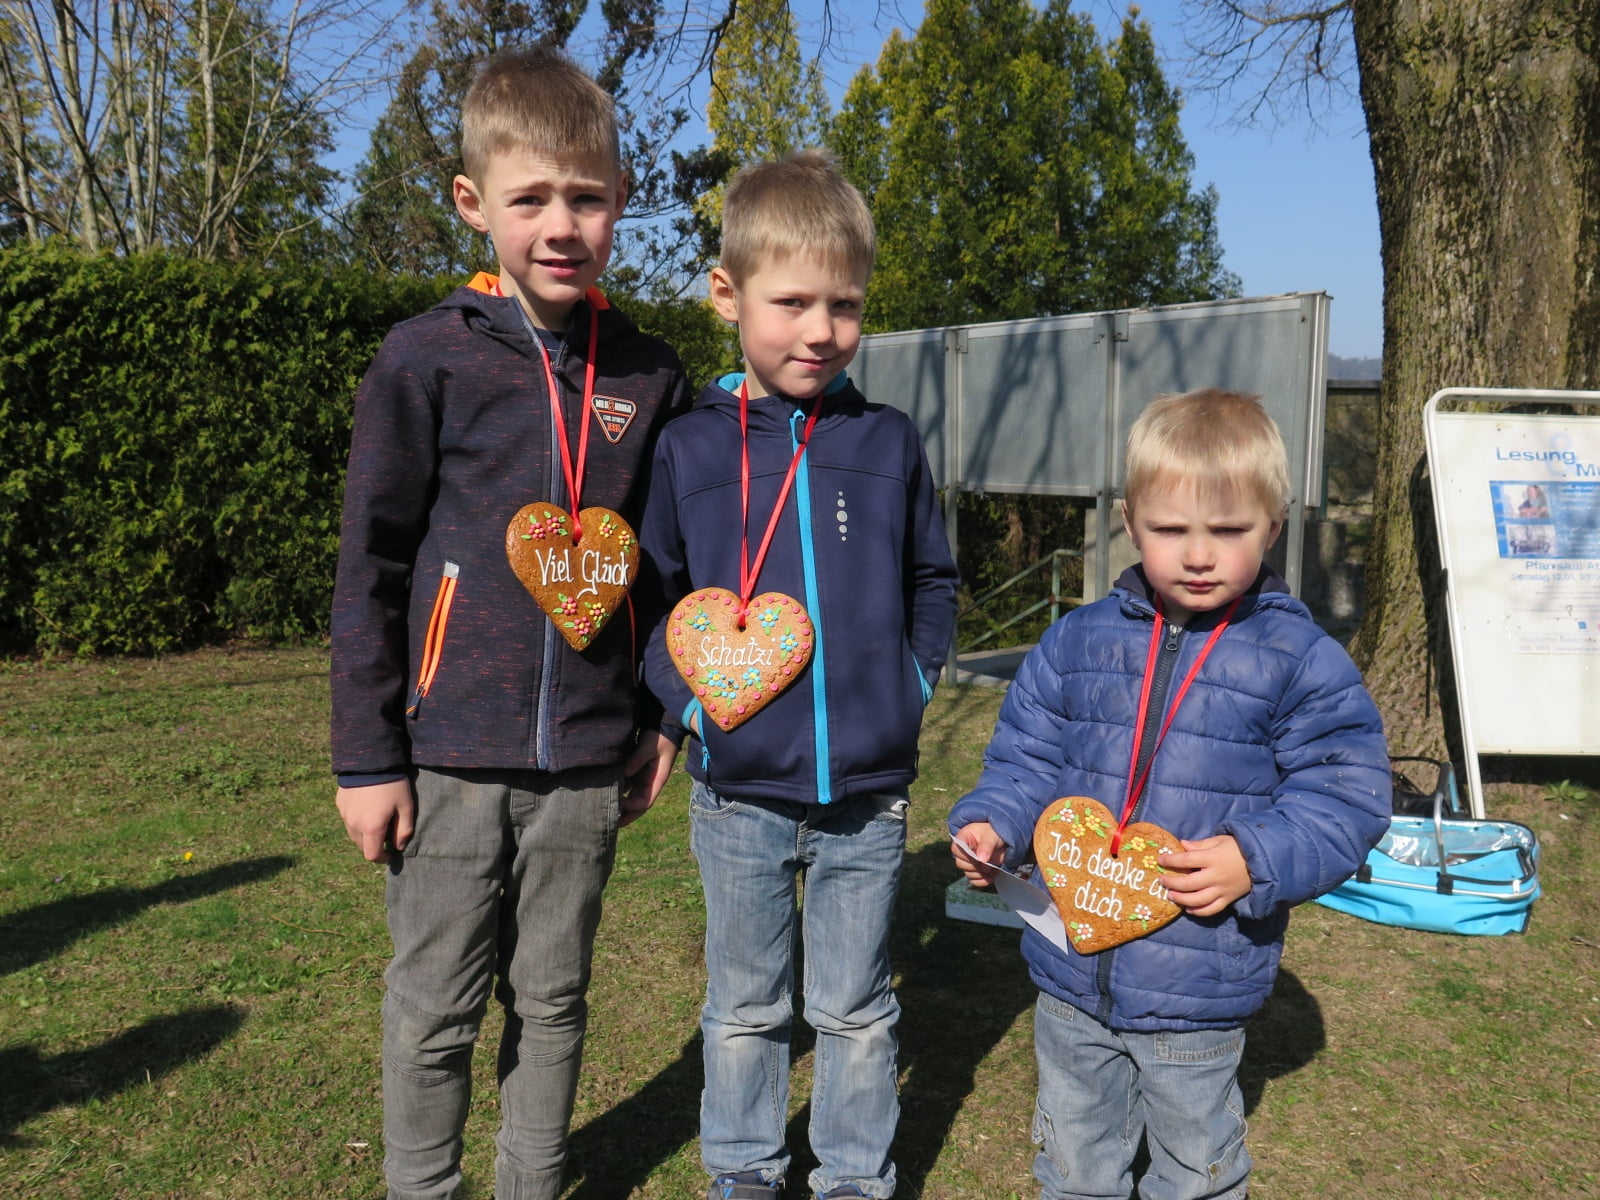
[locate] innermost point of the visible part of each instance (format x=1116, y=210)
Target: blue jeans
x=502, y=878
x=1099, y=1090
x=752, y=856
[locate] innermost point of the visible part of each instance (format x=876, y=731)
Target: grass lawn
x=191, y=960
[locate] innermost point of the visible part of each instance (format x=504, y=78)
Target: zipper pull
x=1173, y=633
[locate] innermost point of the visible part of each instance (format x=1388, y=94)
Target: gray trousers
x=499, y=887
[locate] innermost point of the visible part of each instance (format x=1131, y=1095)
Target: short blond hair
x=1216, y=442
x=801, y=204
x=536, y=99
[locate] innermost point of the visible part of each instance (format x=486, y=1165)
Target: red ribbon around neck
x=573, y=471
x=748, y=572
x=1136, y=784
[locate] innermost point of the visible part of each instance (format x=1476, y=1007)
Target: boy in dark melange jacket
x=1273, y=773
x=479, y=753
x=814, y=784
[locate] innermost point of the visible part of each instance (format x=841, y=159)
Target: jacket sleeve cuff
x=369, y=778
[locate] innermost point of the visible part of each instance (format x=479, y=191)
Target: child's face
x=551, y=220
x=1199, y=551
x=799, y=323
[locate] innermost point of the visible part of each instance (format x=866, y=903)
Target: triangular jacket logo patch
x=614, y=415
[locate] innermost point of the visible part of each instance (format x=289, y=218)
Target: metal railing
x=1053, y=601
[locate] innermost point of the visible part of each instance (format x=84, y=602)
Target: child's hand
x=986, y=843
x=1211, y=875
x=645, y=775
x=379, y=817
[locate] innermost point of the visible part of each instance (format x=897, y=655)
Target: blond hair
x=536, y=99
x=798, y=205
x=1218, y=443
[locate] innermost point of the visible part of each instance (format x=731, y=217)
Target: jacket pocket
x=433, y=645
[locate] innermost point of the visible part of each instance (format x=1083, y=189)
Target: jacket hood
x=500, y=317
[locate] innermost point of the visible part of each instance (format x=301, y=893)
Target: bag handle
x=1446, y=885
x=1447, y=881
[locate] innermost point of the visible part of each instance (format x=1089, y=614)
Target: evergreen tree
x=1017, y=166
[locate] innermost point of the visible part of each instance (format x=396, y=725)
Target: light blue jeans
x=499, y=886
x=752, y=856
x=1099, y=1090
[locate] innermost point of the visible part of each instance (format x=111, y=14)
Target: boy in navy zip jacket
x=479, y=753
x=785, y=479
x=1272, y=771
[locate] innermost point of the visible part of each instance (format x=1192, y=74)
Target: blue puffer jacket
x=1277, y=744
x=860, y=543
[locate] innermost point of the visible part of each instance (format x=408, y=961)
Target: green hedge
x=172, y=443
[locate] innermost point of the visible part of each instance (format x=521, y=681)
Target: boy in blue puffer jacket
x=1198, y=696
x=785, y=480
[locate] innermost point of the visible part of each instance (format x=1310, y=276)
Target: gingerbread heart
x=736, y=672
x=1103, y=901
x=579, y=584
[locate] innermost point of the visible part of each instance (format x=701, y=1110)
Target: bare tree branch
x=1260, y=57
x=120, y=104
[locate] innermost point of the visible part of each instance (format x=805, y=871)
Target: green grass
x=191, y=961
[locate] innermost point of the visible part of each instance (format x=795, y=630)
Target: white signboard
x=1517, y=503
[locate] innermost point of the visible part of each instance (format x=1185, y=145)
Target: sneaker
x=845, y=1191
x=741, y=1185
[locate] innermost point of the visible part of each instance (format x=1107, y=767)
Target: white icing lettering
x=721, y=651
x=555, y=566
x=1090, y=899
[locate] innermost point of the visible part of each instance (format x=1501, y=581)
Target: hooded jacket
x=453, y=434
x=859, y=542
x=1277, y=744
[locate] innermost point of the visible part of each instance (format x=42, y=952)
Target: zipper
x=433, y=643
x=808, y=568
x=1161, y=681
x=558, y=496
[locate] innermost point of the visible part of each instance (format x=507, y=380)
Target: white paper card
x=1029, y=900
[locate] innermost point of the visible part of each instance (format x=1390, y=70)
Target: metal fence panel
x=1043, y=406
x=1273, y=348
x=907, y=370
x=1032, y=416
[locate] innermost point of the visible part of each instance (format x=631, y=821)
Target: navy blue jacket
x=453, y=434
x=1277, y=744
x=860, y=544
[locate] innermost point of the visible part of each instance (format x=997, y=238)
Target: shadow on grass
x=35, y=1084
x=1284, y=1036
x=615, y=1153
x=32, y=935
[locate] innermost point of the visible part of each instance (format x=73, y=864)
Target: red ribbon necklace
x=748, y=573
x=1136, y=784
x=573, y=471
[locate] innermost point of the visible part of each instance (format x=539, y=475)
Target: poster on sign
x=1517, y=503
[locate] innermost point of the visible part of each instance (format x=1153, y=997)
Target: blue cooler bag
x=1443, y=874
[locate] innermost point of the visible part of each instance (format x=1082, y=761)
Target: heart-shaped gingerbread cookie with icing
x=1103, y=901
x=734, y=672
x=579, y=582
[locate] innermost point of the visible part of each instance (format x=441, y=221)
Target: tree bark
x=1484, y=120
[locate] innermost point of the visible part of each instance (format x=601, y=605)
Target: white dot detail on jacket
x=844, y=518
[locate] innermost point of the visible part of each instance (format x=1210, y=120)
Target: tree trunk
x=1484, y=119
